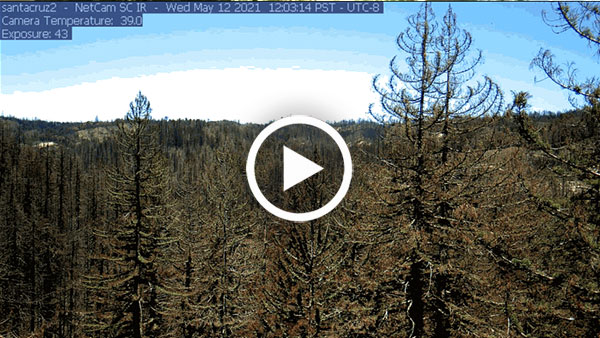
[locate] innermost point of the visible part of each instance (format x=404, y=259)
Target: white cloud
x=246, y=94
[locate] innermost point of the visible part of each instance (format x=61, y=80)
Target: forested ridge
x=468, y=215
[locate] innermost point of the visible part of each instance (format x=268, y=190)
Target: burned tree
x=129, y=293
x=573, y=157
x=431, y=113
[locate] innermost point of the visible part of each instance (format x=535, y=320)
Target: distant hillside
x=171, y=131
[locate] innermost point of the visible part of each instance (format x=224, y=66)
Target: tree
x=301, y=293
x=129, y=291
x=573, y=158
x=431, y=112
x=229, y=227
x=582, y=19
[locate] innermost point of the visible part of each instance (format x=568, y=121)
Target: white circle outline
x=251, y=175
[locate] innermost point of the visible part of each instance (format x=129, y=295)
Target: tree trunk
x=415, y=296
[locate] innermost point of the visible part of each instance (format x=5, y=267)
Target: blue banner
x=55, y=20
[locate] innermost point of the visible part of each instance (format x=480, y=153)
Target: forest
x=469, y=214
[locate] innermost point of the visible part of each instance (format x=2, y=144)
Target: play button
x=298, y=170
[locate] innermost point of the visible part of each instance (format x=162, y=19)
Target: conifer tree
x=572, y=158
x=430, y=112
x=301, y=295
x=130, y=290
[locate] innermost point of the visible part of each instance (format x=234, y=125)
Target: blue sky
x=254, y=68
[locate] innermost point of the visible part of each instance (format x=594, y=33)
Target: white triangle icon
x=296, y=168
